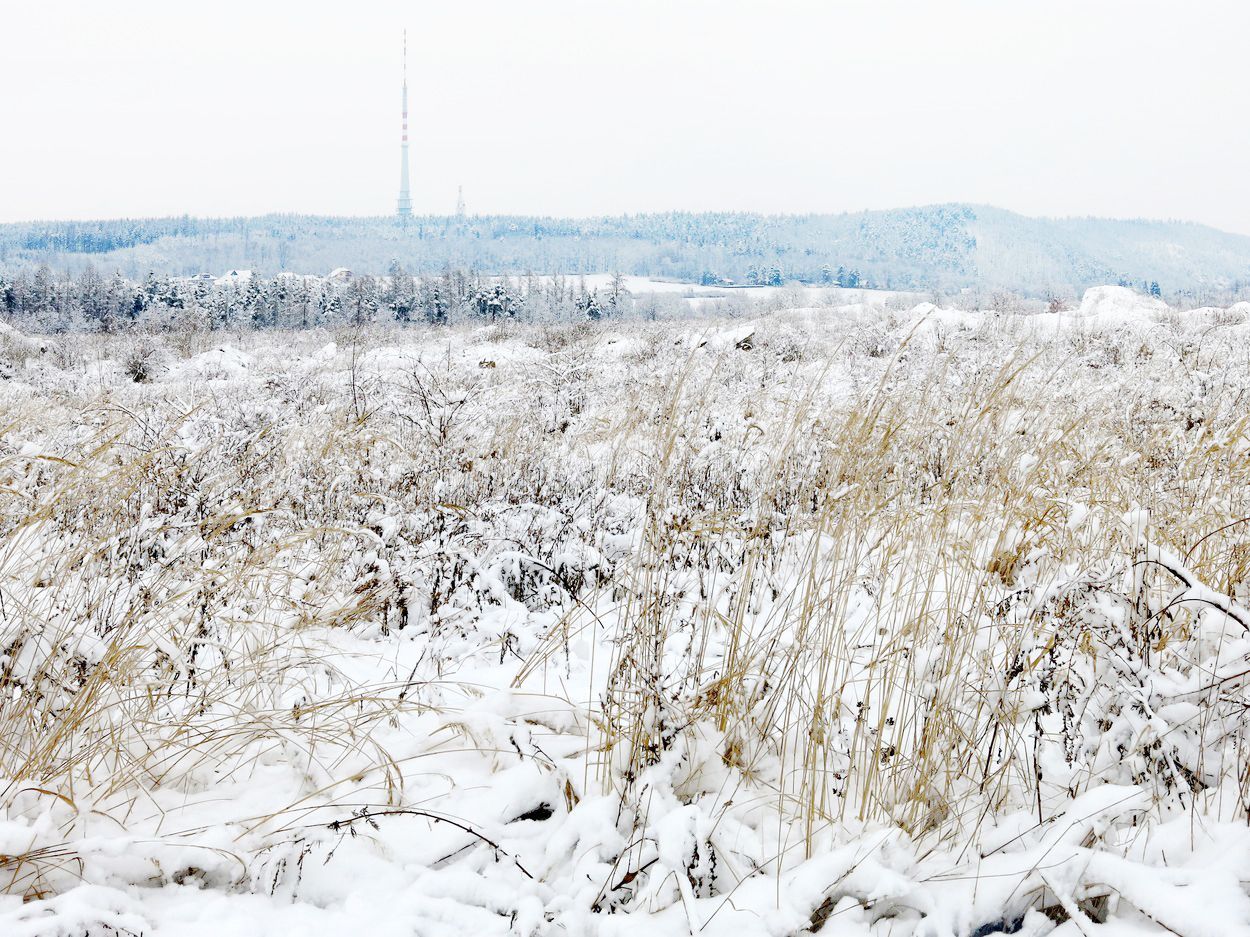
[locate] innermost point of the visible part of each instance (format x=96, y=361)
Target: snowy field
x=840, y=619
x=698, y=295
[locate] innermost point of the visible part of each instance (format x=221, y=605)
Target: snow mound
x=221, y=364
x=388, y=359
x=741, y=338
x=932, y=316
x=1118, y=303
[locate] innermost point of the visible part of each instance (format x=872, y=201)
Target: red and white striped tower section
x=405, y=199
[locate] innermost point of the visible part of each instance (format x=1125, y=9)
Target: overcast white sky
x=1134, y=108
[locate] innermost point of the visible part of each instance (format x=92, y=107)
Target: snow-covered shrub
x=17, y=349
x=145, y=360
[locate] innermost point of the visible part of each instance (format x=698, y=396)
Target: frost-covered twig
x=369, y=816
x=1195, y=592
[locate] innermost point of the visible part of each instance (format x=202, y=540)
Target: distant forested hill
x=941, y=247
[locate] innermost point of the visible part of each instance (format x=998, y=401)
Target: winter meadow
x=779, y=617
x=674, y=499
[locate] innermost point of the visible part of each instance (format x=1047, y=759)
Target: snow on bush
x=871, y=623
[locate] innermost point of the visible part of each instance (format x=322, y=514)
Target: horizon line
x=391, y=217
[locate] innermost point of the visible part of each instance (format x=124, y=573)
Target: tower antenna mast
x=404, y=207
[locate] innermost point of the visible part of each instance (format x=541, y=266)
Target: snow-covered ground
x=838, y=618
x=812, y=295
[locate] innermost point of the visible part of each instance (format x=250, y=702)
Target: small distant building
x=204, y=277
x=341, y=274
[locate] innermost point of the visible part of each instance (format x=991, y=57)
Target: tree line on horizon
x=936, y=248
x=41, y=301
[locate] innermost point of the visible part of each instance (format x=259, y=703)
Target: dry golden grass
x=854, y=574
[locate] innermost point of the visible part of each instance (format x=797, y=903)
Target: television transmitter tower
x=404, y=208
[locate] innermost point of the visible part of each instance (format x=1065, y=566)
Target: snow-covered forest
x=41, y=301
x=859, y=618
x=239, y=299
x=940, y=247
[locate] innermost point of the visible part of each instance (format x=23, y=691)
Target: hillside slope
x=940, y=247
